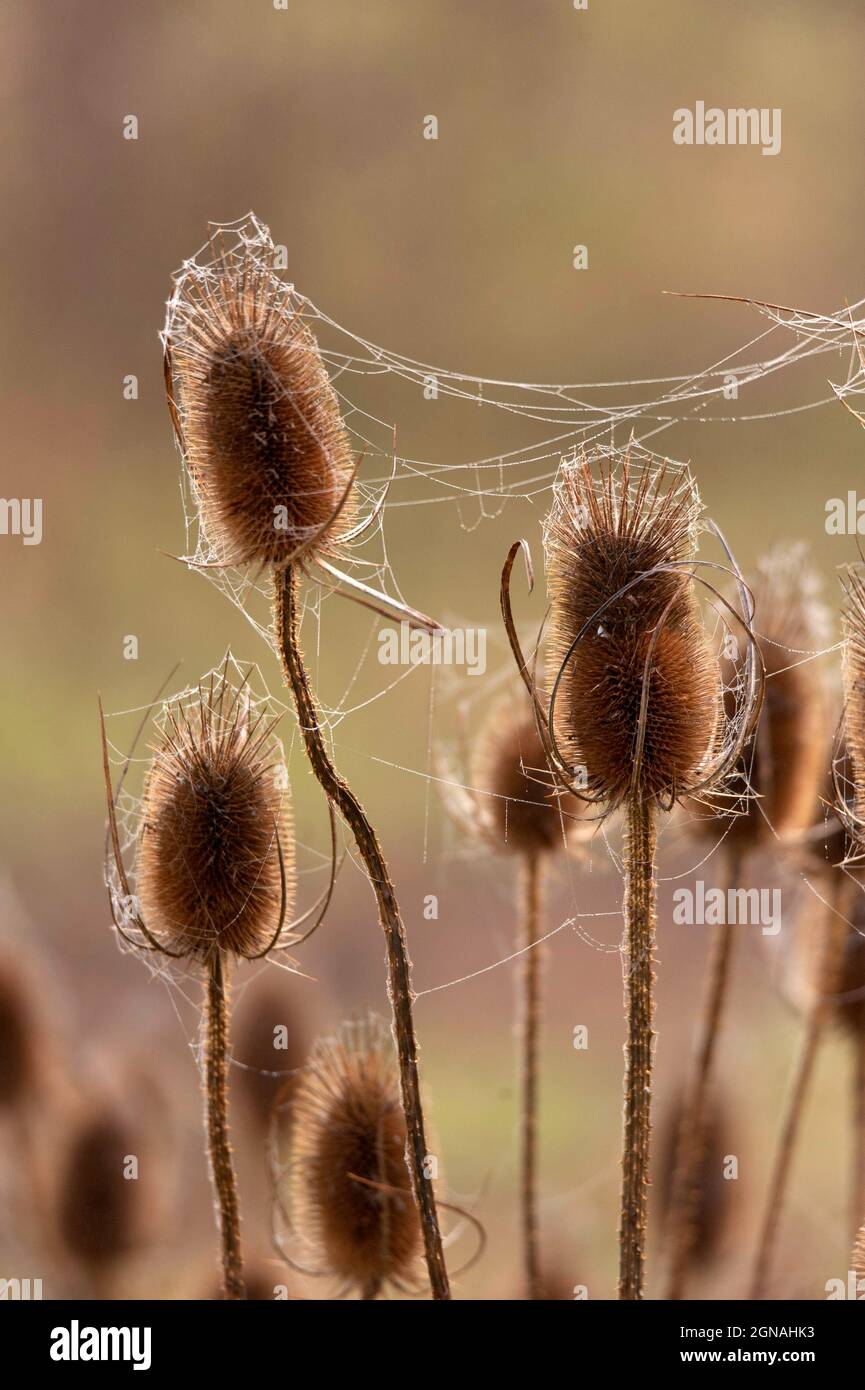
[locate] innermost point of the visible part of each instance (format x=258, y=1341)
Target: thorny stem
x=218, y=1144
x=691, y=1134
x=530, y=1007
x=287, y=621
x=639, y=907
x=818, y=1014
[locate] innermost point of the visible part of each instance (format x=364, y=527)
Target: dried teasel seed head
x=626, y=526
x=522, y=809
x=18, y=1045
x=99, y=1213
x=259, y=421
x=346, y=1187
x=785, y=762
x=215, y=825
x=271, y=1046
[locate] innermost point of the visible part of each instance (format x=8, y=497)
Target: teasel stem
x=287, y=622
x=857, y=1186
x=530, y=1011
x=818, y=1016
x=218, y=1143
x=639, y=861
x=691, y=1139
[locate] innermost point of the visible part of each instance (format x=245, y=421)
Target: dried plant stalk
x=269, y=459
x=530, y=1007
x=783, y=766
x=635, y=709
x=641, y=841
x=818, y=1017
x=219, y=1146
x=287, y=621
x=517, y=807
x=215, y=875
x=691, y=1138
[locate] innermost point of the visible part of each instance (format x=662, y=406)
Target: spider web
x=570, y=416
x=607, y=417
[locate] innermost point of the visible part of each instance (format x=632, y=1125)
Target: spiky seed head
x=263, y=438
x=785, y=763
x=215, y=819
x=522, y=809
x=346, y=1187
x=271, y=1046
x=99, y=1212
x=605, y=531
x=17, y=1039
x=826, y=922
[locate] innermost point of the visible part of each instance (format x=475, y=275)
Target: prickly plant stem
x=832, y=945
x=639, y=907
x=691, y=1136
x=287, y=623
x=530, y=1012
x=218, y=1144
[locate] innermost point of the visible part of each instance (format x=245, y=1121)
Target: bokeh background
x=555, y=128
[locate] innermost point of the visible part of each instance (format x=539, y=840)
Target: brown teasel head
x=215, y=866
x=346, y=1189
x=258, y=420
x=775, y=789
x=622, y=527
x=522, y=808
x=271, y=1046
x=98, y=1211
x=18, y=1046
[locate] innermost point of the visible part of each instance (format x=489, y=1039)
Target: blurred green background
x=555, y=128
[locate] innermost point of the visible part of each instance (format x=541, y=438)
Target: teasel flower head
x=635, y=690
x=517, y=804
x=99, y=1212
x=344, y=1191
x=18, y=1039
x=775, y=789
x=256, y=417
x=272, y=1044
x=214, y=847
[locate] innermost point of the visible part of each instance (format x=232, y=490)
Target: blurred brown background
x=555, y=128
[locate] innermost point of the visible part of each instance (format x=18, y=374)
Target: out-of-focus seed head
x=521, y=807
x=215, y=822
x=99, y=1213
x=262, y=434
x=346, y=1187
x=775, y=789
x=623, y=528
x=271, y=1045
x=18, y=1047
